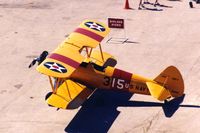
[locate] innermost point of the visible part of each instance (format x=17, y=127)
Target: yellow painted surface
x=139, y=78
x=81, y=40
x=103, y=34
x=109, y=71
x=171, y=78
x=57, y=101
x=97, y=58
x=158, y=91
x=67, y=92
x=70, y=48
x=66, y=50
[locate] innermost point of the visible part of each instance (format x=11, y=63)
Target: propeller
x=39, y=59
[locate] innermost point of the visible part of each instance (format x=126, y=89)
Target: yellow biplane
x=76, y=69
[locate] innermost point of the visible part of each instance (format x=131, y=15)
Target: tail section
x=157, y=91
x=168, y=83
x=172, y=80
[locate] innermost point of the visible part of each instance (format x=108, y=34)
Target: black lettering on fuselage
x=138, y=87
x=106, y=81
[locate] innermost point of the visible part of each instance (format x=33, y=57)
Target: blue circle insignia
x=55, y=67
x=95, y=26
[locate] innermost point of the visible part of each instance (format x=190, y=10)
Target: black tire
x=48, y=95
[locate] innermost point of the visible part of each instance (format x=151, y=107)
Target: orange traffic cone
x=127, y=5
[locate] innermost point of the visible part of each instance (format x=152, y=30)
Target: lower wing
x=69, y=95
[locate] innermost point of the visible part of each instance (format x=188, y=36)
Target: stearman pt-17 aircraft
x=75, y=70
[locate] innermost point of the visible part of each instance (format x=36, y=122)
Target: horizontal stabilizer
x=158, y=91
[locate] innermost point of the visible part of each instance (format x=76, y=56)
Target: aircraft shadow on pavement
x=169, y=108
x=99, y=112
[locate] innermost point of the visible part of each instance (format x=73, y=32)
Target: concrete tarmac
x=158, y=37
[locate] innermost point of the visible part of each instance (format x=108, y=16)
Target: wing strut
x=51, y=83
x=68, y=89
x=101, y=52
x=90, y=52
x=57, y=83
x=87, y=52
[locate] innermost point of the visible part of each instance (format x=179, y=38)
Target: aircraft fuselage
x=118, y=80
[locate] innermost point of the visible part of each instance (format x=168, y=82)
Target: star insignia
x=95, y=26
x=55, y=67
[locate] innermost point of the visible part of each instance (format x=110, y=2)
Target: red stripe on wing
x=64, y=59
x=89, y=34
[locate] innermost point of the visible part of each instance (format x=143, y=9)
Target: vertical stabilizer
x=172, y=80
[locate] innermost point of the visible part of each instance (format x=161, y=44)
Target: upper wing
x=96, y=58
x=69, y=95
x=89, y=33
x=62, y=62
x=66, y=58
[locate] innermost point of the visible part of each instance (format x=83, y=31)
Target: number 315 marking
x=116, y=83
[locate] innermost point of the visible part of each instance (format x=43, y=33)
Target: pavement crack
x=191, y=68
x=150, y=121
x=147, y=124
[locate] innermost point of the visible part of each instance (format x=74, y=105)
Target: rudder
x=172, y=80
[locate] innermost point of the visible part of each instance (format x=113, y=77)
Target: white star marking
x=55, y=67
x=95, y=26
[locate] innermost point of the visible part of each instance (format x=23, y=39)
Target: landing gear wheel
x=47, y=96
